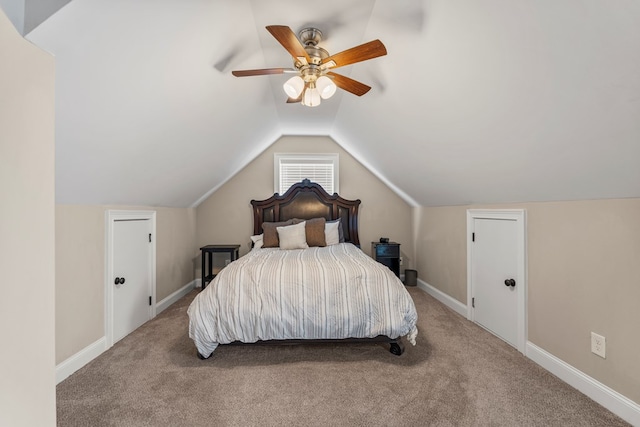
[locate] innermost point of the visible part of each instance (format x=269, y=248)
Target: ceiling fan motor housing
x=310, y=37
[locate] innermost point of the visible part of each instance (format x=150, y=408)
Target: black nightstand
x=207, y=255
x=387, y=254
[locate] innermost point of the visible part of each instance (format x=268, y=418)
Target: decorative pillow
x=315, y=232
x=293, y=236
x=340, y=231
x=270, y=239
x=257, y=241
x=332, y=236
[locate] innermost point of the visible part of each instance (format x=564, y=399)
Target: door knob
x=119, y=280
x=510, y=282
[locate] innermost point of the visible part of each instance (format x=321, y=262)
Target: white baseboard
x=450, y=302
x=620, y=405
x=81, y=358
x=612, y=400
x=87, y=354
x=166, y=302
x=615, y=402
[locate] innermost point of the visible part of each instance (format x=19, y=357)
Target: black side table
x=207, y=258
x=387, y=254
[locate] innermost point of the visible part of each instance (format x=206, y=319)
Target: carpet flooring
x=457, y=375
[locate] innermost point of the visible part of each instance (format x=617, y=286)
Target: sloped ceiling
x=477, y=101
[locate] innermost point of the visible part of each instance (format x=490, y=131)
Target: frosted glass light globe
x=326, y=86
x=294, y=87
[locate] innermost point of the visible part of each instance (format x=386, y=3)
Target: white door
x=494, y=276
x=132, y=284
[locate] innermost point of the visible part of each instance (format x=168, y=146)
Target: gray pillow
x=340, y=230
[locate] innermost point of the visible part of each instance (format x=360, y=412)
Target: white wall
x=27, y=365
x=14, y=9
x=37, y=11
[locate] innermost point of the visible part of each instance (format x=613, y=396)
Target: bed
x=313, y=284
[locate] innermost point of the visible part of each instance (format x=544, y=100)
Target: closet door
x=132, y=271
x=496, y=273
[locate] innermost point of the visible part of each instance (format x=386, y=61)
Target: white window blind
x=318, y=168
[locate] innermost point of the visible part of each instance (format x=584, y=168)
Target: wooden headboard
x=307, y=200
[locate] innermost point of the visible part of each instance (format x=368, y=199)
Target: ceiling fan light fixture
x=294, y=86
x=326, y=87
x=311, y=97
x=315, y=79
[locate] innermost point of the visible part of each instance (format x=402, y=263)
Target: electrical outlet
x=598, y=345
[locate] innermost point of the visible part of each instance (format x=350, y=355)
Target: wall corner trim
x=174, y=297
x=450, y=302
x=81, y=358
x=87, y=354
x=620, y=405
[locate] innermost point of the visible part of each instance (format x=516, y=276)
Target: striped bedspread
x=321, y=292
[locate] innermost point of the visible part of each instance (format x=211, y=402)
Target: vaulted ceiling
x=477, y=101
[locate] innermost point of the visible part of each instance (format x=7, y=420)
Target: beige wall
x=441, y=245
x=27, y=249
x=80, y=236
x=175, y=254
x=226, y=216
x=80, y=268
x=80, y=258
x=583, y=276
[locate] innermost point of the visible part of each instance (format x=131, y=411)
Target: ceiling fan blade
x=350, y=85
x=370, y=50
x=294, y=100
x=289, y=41
x=259, y=72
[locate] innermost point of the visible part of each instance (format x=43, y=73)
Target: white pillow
x=257, y=241
x=293, y=236
x=331, y=234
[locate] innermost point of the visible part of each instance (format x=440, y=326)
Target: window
x=292, y=168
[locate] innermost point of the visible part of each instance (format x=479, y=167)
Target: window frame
x=324, y=158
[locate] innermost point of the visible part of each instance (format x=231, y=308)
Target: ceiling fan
x=312, y=64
